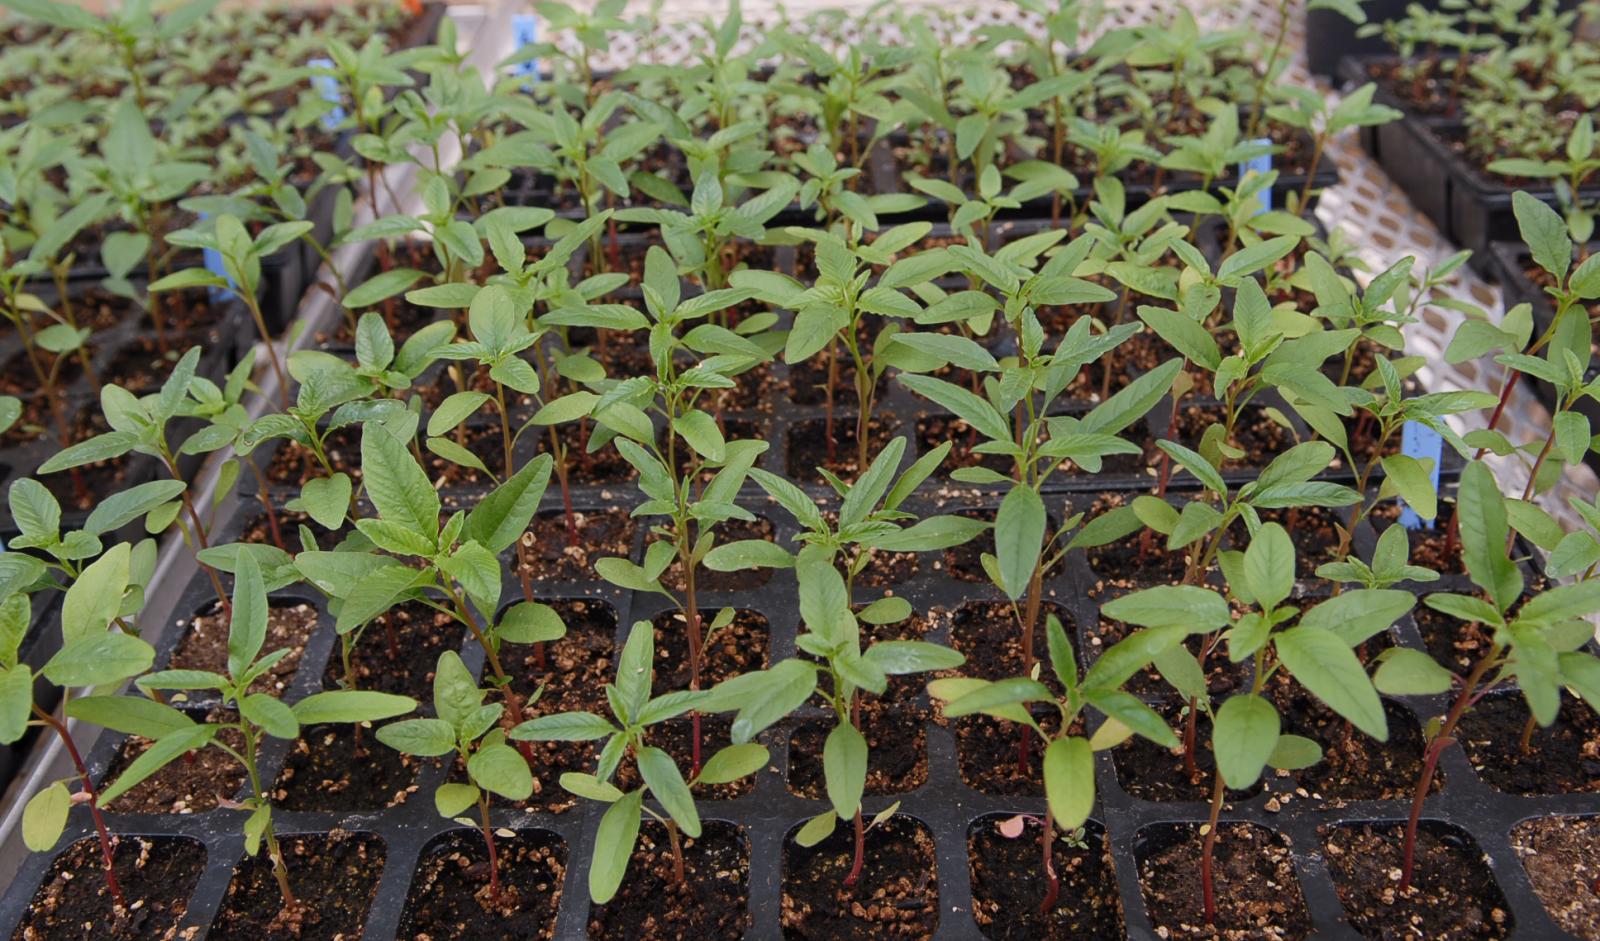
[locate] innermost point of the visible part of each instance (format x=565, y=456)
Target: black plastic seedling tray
x=946, y=805
x=1419, y=152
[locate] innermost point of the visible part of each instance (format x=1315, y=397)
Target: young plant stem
x=678, y=874
x=1047, y=848
x=266, y=340
x=1446, y=735
x=1208, y=888
x=280, y=870
x=488, y=841
x=1317, y=143
x=860, y=827
x=833, y=377
x=101, y=831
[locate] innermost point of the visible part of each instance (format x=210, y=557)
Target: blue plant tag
x=213, y=263
x=1422, y=443
x=524, y=33
x=1260, y=164
x=327, y=87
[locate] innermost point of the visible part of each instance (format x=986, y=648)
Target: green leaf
x=351, y=705
x=1018, y=537
x=44, y=817
x=1414, y=482
x=844, y=767
x=1269, y=565
x=95, y=596
x=529, y=622
x=248, y=629
x=817, y=829
x=381, y=287
x=564, y=727
x=1327, y=667
x=613, y=846
x=1545, y=233
x=502, y=517
x=1407, y=672
x=1069, y=780
x=901, y=657
x=667, y=786
x=1294, y=752
x=98, y=659
x=1245, y=736
x=1481, y=510
x=500, y=769
x=119, y=509
x=156, y=756
x=452, y=798
x=396, y=484
x=425, y=738
x=733, y=763
x=1198, y=609
x=271, y=715
x=326, y=499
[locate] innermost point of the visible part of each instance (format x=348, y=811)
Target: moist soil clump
x=896, y=896
x=157, y=876
x=1562, y=856
x=1256, y=892
x=712, y=903
x=449, y=899
x=1008, y=884
x=1452, y=896
x=334, y=877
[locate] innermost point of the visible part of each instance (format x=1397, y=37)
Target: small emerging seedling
x=627, y=735
x=467, y=727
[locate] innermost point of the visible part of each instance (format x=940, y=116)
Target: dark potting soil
x=141, y=367
x=1451, y=641
x=884, y=568
x=1313, y=530
x=1132, y=562
x=934, y=430
x=576, y=667
x=989, y=753
x=192, y=784
x=896, y=896
x=1354, y=766
x=1563, y=759
x=707, y=580
x=1256, y=432
x=1008, y=883
x=809, y=446
x=738, y=648
x=1562, y=856
x=1257, y=895
x=712, y=902
x=1453, y=894
x=19, y=378
x=989, y=635
x=329, y=769
x=293, y=463
x=549, y=554
x=1146, y=771
x=397, y=652
x=333, y=876
x=82, y=488
x=205, y=645
x=156, y=875
x=603, y=466
x=808, y=381
x=897, y=756
x=449, y=898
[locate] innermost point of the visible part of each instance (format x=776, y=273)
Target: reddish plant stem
x=860, y=827
x=1446, y=735
x=101, y=831
x=1208, y=887
x=1052, y=881
x=494, y=855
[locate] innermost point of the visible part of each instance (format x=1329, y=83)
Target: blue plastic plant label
x=327, y=88
x=1422, y=443
x=1259, y=164
x=213, y=263
x=524, y=33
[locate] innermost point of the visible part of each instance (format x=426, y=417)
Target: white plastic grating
x=1366, y=205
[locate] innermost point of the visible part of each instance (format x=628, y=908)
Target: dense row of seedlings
x=622, y=291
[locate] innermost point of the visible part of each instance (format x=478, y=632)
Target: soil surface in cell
x=1562, y=856
x=1453, y=894
x=711, y=903
x=895, y=896
x=156, y=877
x=205, y=645
x=1257, y=895
x=450, y=898
x=1009, y=884
x=333, y=876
